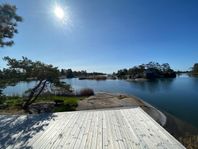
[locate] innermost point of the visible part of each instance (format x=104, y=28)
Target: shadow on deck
x=22, y=128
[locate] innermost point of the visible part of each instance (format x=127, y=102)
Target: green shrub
x=13, y=101
x=2, y=100
x=67, y=103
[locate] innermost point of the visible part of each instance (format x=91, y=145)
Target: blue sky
x=107, y=35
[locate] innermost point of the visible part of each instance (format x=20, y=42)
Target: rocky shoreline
x=102, y=100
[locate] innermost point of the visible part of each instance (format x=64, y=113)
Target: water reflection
x=153, y=86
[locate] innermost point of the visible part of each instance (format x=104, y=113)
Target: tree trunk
x=28, y=102
x=44, y=83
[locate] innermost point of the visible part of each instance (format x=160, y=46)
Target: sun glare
x=59, y=12
x=62, y=15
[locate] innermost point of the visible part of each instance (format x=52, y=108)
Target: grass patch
x=65, y=103
x=62, y=103
x=11, y=101
x=66, y=100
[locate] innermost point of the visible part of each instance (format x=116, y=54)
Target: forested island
x=152, y=70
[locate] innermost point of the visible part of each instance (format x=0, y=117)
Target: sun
x=59, y=12
x=62, y=14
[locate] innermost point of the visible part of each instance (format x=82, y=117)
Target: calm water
x=177, y=96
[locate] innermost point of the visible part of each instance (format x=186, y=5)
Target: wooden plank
x=131, y=132
x=86, y=132
x=81, y=133
x=146, y=129
x=128, y=139
x=52, y=136
x=112, y=127
x=76, y=130
x=88, y=142
x=154, y=134
x=137, y=129
x=106, y=143
x=163, y=133
x=128, y=135
x=108, y=133
x=99, y=143
x=142, y=131
x=41, y=139
x=66, y=133
x=59, y=136
x=69, y=131
x=120, y=135
x=46, y=130
x=94, y=134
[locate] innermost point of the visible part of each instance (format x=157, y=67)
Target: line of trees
x=10, y=74
x=68, y=73
x=151, y=70
x=14, y=75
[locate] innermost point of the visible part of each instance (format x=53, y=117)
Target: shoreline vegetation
x=97, y=77
x=47, y=102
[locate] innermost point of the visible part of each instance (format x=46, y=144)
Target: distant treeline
x=68, y=73
x=11, y=75
x=151, y=70
x=14, y=74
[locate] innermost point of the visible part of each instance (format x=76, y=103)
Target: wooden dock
x=91, y=129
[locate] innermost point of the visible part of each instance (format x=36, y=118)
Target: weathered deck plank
x=101, y=129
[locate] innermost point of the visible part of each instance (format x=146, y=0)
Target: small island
x=152, y=70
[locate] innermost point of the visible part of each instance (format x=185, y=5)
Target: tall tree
x=45, y=74
x=69, y=73
x=8, y=24
x=165, y=67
